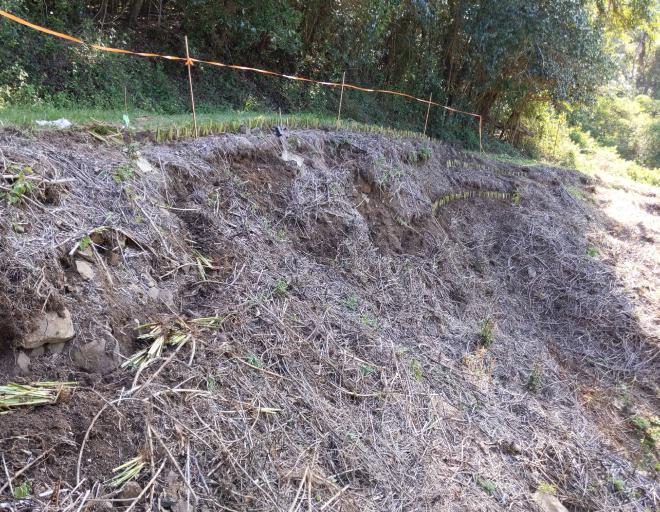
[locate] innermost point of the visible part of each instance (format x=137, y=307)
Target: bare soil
x=352, y=370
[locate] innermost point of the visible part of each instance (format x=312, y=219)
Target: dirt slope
x=403, y=326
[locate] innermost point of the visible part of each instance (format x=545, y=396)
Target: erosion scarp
x=349, y=322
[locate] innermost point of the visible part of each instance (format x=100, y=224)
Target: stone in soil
x=51, y=328
x=85, y=270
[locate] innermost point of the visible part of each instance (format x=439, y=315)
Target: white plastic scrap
x=60, y=124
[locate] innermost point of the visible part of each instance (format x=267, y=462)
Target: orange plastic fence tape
x=189, y=61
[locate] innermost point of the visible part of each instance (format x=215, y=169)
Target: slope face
x=403, y=326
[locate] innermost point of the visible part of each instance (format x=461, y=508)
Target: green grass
x=179, y=126
x=591, y=160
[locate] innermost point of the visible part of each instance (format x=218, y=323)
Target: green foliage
x=487, y=332
x=281, y=288
x=123, y=173
x=255, y=361
x=628, y=124
x=20, y=188
x=648, y=428
x=547, y=488
x=424, y=153
x=515, y=62
x=366, y=370
x=84, y=242
x=211, y=382
x=351, y=303
x=368, y=320
x=488, y=486
x=23, y=490
x=618, y=484
x=534, y=380
x=417, y=371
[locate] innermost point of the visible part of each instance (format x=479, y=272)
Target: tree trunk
x=134, y=13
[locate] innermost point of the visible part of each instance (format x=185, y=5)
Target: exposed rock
x=144, y=165
x=87, y=253
x=161, y=295
x=97, y=355
x=51, y=328
x=154, y=292
x=23, y=363
x=548, y=502
x=167, y=297
x=56, y=348
x=130, y=491
x=37, y=352
x=85, y=270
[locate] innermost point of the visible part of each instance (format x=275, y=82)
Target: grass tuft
x=37, y=393
x=127, y=471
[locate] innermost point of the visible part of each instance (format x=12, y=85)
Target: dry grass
x=295, y=397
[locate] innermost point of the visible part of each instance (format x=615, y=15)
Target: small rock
x=85, y=270
x=130, y=491
x=95, y=356
x=87, y=254
x=167, y=297
x=38, y=352
x=153, y=292
x=151, y=282
x=144, y=165
x=23, y=363
x=103, y=505
x=56, y=348
x=51, y=328
x=548, y=502
x=531, y=272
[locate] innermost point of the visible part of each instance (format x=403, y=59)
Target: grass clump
x=416, y=368
x=161, y=336
x=546, y=488
x=37, y=393
x=534, y=380
x=351, y=303
x=424, y=153
x=127, y=471
x=20, y=187
x=255, y=360
x=281, y=288
x=23, y=490
x=516, y=198
x=488, y=486
x=366, y=370
x=123, y=173
x=368, y=321
x=203, y=264
x=487, y=332
x=618, y=484
x=648, y=428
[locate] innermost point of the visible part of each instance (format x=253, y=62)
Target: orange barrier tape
x=190, y=61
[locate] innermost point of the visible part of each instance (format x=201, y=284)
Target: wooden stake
x=554, y=149
x=428, y=111
x=125, y=100
x=192, y=96
x=481, y=124
x=341, y=98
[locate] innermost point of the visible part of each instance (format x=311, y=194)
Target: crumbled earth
x=400, y=326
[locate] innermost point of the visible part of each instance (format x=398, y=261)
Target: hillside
x=349, y=322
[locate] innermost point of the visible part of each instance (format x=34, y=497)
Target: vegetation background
x=571, y=81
